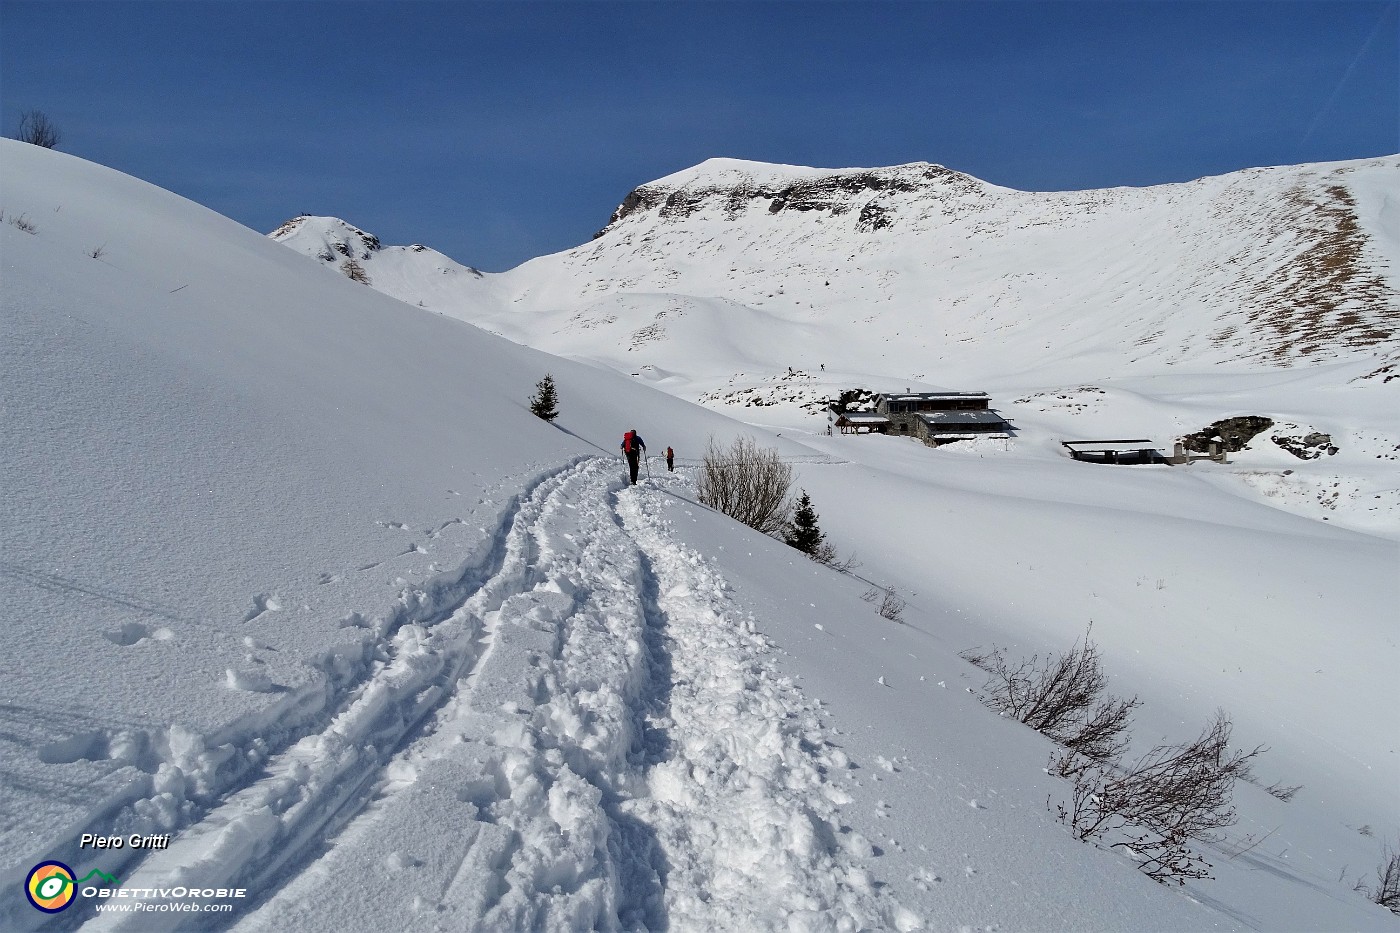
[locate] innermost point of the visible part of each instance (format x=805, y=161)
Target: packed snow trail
x=609, y=747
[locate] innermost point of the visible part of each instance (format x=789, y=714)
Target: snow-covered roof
x=864, y=417
x=936, y=396
x=967, y=435
x=1141, y=443
x=941, y=418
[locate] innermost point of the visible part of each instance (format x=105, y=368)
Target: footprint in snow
x=354, y=620
x=252, y=681
x=263, y=602
x=131, y=633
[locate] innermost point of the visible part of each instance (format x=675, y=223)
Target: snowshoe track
x=590, y=737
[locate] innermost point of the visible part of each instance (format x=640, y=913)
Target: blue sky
x=498, y=132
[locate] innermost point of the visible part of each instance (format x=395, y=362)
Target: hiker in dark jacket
x=670, y=460
x=632, y=446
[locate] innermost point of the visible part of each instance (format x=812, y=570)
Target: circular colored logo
x=50, y=886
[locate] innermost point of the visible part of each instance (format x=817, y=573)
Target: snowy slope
x=1277, y=265
x=763, y=290
x=291, y=574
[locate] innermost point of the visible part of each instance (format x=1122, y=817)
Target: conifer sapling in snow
x=803, y=533
x=545, y=402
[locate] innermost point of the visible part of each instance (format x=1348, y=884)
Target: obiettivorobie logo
x=51, y=886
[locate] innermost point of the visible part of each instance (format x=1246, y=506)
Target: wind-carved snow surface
x=591, y=737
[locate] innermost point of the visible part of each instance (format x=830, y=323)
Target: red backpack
x=627, y=441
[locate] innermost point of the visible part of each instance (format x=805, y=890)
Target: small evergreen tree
x=803, y=533
x=545, y=402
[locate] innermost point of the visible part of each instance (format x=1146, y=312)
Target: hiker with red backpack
x=670, y=460
x=632, y=446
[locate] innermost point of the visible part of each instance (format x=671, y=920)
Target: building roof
x=865, y=417
x=948, y=419
x=932, y=396
x=1136, y=444
x=970, y=436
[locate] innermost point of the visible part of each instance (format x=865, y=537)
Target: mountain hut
x=941, y=417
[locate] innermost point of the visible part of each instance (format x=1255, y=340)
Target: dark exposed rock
x=833, y=193
x=1233, y=434
x=289, y=226
x=638, y=199
x=681, y=203
x=853, y=399
x=874, y=216
x=1309, y=447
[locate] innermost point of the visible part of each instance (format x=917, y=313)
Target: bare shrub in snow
x=891, y=606
x=1168, y=798
x=748, y=483
x=826, y=554
x=1386, y=893
x=36, y=128
x=354, y=271
x=98, y=252
x=22, y=222
x=1066, y=698
x=1281, y=791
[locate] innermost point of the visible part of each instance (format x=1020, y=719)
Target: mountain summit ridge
x=786, y=187
x=914, y=268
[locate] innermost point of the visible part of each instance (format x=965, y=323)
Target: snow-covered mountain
x=291, y=575
x=917, y=271
x=765, y=290
x=401, y=271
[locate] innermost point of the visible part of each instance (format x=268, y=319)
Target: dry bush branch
x=1281, y=791
x=748, y=483
x=1066, y=699
x=1386, y=893
x=355, y=272
x=1166, y=799
x=891, y=606
x=36, y=128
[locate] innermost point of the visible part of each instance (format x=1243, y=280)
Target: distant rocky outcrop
x=1232, y=434
x=1308, y=447
x=832, y=192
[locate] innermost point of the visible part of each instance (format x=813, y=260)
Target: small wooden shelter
x=856, y=422
x=1131, y=451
